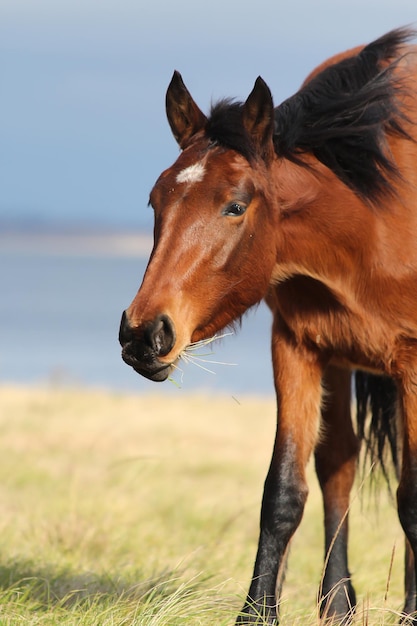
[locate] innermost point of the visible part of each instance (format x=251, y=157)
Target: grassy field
x=143, y=510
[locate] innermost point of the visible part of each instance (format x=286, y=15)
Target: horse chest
x=321, y=321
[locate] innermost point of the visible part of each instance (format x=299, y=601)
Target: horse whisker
x=198, y=357
x=188, y=355
x=194, y=360
x=172, y=380
x=206, y=342
x=206, y=369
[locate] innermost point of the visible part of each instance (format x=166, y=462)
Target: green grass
x=144, y=510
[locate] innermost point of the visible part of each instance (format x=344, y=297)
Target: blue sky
x=83, y=133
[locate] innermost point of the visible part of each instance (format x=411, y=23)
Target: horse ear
x=184, y=116
x=258, y=117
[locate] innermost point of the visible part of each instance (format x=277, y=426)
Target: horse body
x=311, y=206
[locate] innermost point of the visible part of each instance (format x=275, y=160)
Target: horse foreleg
x=298, y=385
x=335, y=458
x=407, y=488
x=409, y=580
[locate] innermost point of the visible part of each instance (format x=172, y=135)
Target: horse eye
x=234, y=209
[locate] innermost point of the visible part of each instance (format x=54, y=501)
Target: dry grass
x=144, y=510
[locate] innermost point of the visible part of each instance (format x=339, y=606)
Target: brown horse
x=312, y=207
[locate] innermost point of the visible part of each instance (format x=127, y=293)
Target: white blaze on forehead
x=192, y=174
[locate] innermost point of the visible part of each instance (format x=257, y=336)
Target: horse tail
x=377, y=421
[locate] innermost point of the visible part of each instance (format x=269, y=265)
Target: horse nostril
x=157, y=335
x=160, y=335
x=125, y=331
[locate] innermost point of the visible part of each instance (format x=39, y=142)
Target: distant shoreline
x=73, y=243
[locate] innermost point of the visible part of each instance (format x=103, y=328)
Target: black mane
x=341, y=116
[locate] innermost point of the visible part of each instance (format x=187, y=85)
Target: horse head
x=212, y=258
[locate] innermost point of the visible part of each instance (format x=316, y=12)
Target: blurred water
x=59, y=321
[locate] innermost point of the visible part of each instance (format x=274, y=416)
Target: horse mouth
x=155, y=371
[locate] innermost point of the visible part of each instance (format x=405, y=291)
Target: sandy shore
x=77, y=243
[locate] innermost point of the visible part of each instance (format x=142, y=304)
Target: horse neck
x=325, y=229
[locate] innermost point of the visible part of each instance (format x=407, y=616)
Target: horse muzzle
x=144, y=345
